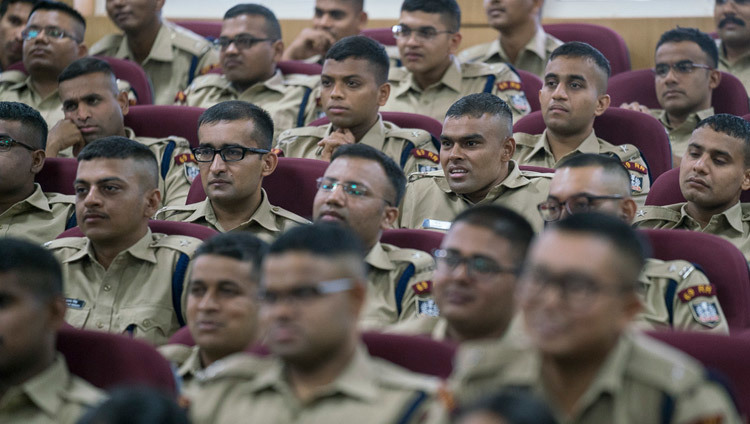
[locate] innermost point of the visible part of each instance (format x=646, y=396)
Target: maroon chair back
x=531, y=84
x=604, y=39
x=620, y=126
x=424, y=240
x=209, y=30
x=536, y=169
x=720, y=260
x=403, y=120
x=110, y=360
x=383, y=36
x=666, y=190
x=169, y=228
x=161, y=121
x=58, y=175
x=299, y=67
x=133, y=73
x=639, y=86
x=722, y=354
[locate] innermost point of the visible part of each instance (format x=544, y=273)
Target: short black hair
x=513, y=406
x=365, y=48
x=320, y=239
x=272, y=30
x=583, y=50
x=395, y=175
x=703, y=40
x=5, y=3
x=33, y=265
x=136, y=405
x=85, y=66
x=448, y=9
x=502, y=222
x=240, y=245
x=31, y=121
x=611, y=166
x=118, y=147
x=238, y=110
x=62, y=7
x=477, y=104
x=733, y=126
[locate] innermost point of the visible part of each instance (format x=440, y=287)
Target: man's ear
x=746, y=179
x=384, y=91
x=455, y=43
x=37, y=161
x=270, y=161
x=714, y=79
x=390, y=215
x=602, y=103
x=508, y=149
x=153, y=202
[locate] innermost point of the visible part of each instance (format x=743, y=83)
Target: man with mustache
x=732, y=19
x=120, y=277
x=713, y=173
x=522, y=41
x=171, y=55
x=685, y=75
x=13, y=17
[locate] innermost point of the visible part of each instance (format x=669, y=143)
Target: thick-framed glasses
x=6, y=142
x=477, y=265
x=575, y=289
x=242, y=41
x=228, y=154
x=682, y=67
x=50, y=31
x=350, y=188
x=551, y=209
x=422, y=33
x=307, y=293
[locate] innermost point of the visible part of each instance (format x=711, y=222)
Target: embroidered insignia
x=706, y=313
x=184, y=243
x=427, y=308
x=640, y=213
x=184, y=158
x=278, y=152
x=701, y=290
x=519, y=102
x=632, y=166
x=425, y=168
x=74, y=303
x=209, y=68
x=180, y=97
x=422, y=287
x=508, y=85
x=624, y=148
x=686, y=271
x=436, y=224
x=426, y=154
x=636, y=184
x=672, y=268
x=191, y=171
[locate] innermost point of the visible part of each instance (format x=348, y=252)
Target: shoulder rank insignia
x=422, y=153
x=184, y=158
x=637, y=167
x=209, y=68
x=278, y=152
x=508, y=85
x=422, y=287
x=690, y=293
x=180, y=97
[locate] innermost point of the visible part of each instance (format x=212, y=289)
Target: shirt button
x=99, y=324
x=107, y=287
x=147, y=322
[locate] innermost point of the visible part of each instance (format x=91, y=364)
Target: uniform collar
x=690, y=122
x=192, y=364
x=590, y=144
x=723, y=55
x=374, y=137
x=161, y=50
x=538, y=44
x=263, y=215
x=513, y=180
x=140, y=250
x=43, y=389
x=275, y=83
x=34, y=94
x=37, y=200
x=451, y=78
x=378, y=258
x=733, y=216
x=129, y=133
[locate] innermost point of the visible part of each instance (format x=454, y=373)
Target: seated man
x=732, y=18
x=94, y=108
x=13, y=17
x=578, y=295
x=53, y=38
x=685, y=76
x=589, y=182
x=522, y=41
x=25, y=210
x=35, y=384
x=573, y=95
x=120, y=277
x=372, y=187
x=476, y=301
x=432, y=79
x=250, y=46
x=171, y=55
x=353, y=87
x=313, y=290
x=222, y=308
x=234, y=155
x=713, y=173
x=477, y=147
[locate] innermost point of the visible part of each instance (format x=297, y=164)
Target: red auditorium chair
x=639, y=86
x=161, y=121
x=424, y=240
x=109, y=360
x=58, y=175
x=209, y=30
x=604, y=39
x=746, y=117
x=727, y=355
x=666, y=190
x=403, y=120
x=620, y=126
x=536, y=169
x=383, y=36
x=531, y=84
x=164, y=227
x=297, y=173
x=720, y=260
x=299, y=67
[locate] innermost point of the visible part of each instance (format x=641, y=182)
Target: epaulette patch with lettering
x=508, y=85
x=422, y=287
x=184, y=158
x=422, y=153
x=278, y=152
x=206, y=69
x=690, y=293
x=180, y=97
x=636, y=184
x=632, y=166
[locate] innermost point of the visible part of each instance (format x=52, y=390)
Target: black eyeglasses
x=305, y=294
x=682, y=67
x=350, y=188
x=6, y=142
x=551, y=209
x=50, y=31
x=228, y=154
x=242, y=41
x=578, y=290
x=475, y=265
x=422, y=33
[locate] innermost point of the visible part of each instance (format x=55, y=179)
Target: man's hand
x=63, y=135
x=337, y=138
x=309, y=43
x=635, y=106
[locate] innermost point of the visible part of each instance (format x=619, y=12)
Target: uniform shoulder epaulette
x=414, y=176
x=626, y=152
x=395, y=377
x=183, y=244
x=745, y=208
x=189, y=41
x=535, y=174
x=422, y=260
x=474, y=53
x=107, y=45
x=176, y=353
x=209, y=81
x=478, y=69
x=665, y=368
x=526, y=139
x=309, y=131
x=171, y=210
x=309, y=81
x=677, y=270
x=278, y=210
x=60, y=198
x=12, y=77
x=241, y=366
x=398, y=74
x=72, y=242
x=659, y=213
x=415, y=135
x=82, y=393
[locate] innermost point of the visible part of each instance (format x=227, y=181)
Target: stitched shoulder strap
x=669, y=299
x=178, y=281
x=667, y=409
x=408, y=147
x=302, y=107
x=193, y=68
x=72, y=222
x=401, y=286
x=166, y=159
x=408, y=414
x=490, y=83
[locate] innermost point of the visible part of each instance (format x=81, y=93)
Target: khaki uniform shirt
x=733, y=224
x=368, y=391
x=39, y=218
x=428, y=196
x=740, y=68
x=54, y=396
x=391, y=270
x=533, y=58
x=630, y=387
x=267, y=222
x=534, y=150
x=177, y=56
x=461, y=79
x=693, y=305
x=436, y=328
x=133, y=295
x=411, y=148
x=679, y=136
x=289, y=99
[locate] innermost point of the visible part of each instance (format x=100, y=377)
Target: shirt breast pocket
x=149, y=323
x=76, y=317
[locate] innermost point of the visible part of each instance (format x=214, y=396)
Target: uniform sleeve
x=418, y=299
x=183, y=169
x=707, y=403
x=640, y=182
x=696, y=306
x=424, y=158
x=508, y=87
